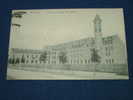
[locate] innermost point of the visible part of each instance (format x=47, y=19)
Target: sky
x=40, y=28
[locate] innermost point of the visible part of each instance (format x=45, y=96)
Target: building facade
x=91, y=50
x=24, y=56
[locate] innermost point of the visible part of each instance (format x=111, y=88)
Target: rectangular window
x=36, y=61
x=112, y=60
x=81, y=61
x=85, y=61
x=88, y=61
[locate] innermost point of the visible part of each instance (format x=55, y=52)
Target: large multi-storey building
x=98, y=49
x=91, y=50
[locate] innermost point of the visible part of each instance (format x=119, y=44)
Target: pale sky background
x=49, y=27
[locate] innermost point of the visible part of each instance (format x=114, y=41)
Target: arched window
x=36, y=62
x=112, y=60
x=27, y=56
x=81, y=61
x=85, y=61
x=32, y=61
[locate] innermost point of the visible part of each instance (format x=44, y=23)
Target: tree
x=62, y=57
x=13, y=60
x=23, y=59
x=17, y=61
x=43, y=57
x=95, y=56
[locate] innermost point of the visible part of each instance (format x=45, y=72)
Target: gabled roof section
x=17, y=50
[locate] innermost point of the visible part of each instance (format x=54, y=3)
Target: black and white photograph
x=67, y=44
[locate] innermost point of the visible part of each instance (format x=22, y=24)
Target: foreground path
x=14, y=74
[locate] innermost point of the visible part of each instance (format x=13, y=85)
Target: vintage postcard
x=67, y=44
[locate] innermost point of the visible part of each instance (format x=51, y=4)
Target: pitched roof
x=18, y=50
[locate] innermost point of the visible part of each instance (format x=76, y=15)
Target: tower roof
x=97, y=18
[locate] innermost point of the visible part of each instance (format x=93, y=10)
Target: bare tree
x=63, y=57
x=23, y=59
x=17, y=61
x=13, y=60
x=43, y=57
x=95, y=56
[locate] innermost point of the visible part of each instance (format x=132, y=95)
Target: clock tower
x=98, y=35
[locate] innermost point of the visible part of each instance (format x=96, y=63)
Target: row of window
x=34, y=61
x=80, y=61
x=109, y=61
x=108, y=50
x=32, y=56
x=54, y=62
x=108, y=40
